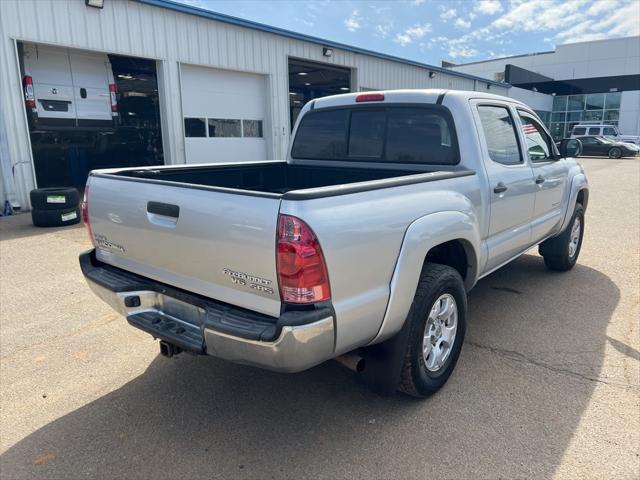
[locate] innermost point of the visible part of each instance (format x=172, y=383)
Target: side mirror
x=570, y=147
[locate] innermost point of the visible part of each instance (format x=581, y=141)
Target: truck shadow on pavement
x=533, y=355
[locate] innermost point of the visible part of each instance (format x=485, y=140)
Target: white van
x=603, y=131
x=68, y=89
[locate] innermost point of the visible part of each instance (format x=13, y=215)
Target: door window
x=579, y=131
x=610, y=131
x=500, y=134
x=538, y=144
x=594, y=131
x=588, y=141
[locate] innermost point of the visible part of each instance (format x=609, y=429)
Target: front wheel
x=437, y=327
x=561, y=253
x=615, y=152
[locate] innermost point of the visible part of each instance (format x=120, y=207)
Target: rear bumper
x=295, y=341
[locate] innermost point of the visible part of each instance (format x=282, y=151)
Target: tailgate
x=217, y=244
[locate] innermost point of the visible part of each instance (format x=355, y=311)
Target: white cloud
x=417, y=2
x=383, y=30
x=462, y=23
x=353, y=22
x=540, y=15
x=602, y=6
x=621, y=22
x=462, y=51
x=488, y=7
x=413, y=33
x=449, y=14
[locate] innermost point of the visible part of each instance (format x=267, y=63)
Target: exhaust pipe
x=352, y=361
x=168, y=349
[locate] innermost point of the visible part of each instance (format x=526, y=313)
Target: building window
x=559, y=104
x=195, y=127
x=224, y=127
x=595, y=101
x=593, y=116
x=252, y=128
x=576, y=102
x=591, y=108
x=544, y=116
x=574, y=116
x=612, y=100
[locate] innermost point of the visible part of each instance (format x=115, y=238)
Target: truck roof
x=430, y=95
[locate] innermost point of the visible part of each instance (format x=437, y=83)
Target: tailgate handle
x=164, y=209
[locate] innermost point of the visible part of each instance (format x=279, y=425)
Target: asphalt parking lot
x=548, y=383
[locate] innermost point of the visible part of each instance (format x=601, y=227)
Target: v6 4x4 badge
x=251, y=281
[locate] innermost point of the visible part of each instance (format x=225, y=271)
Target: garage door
x=224, y=115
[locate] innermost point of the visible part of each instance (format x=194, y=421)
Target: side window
x=500, y=134
x=579, y=131
x=594, y=131
x=588, y=141
x=538, y=145
x=609, y=131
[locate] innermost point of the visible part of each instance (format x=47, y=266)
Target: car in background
x=604, y=146
x=610, y=131
x=68, y=89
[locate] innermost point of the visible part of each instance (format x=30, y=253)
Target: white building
x=586, y=82
x=193, y=86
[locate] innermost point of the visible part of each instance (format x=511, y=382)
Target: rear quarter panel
x=361, y=235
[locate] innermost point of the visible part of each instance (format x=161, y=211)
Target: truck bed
x=269, y=177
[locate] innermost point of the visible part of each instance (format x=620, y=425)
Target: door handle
x=540, y=180
x=500, y=188
x=164, y=209
x=83, y=93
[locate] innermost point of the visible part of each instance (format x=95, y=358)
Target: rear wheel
x=561, y=252
x=437, y=327
x=615, y=152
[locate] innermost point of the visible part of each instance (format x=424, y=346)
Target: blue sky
x=432, y=30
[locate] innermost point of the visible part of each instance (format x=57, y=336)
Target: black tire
x=54, y=198
x=615, y=152
x=556, y=250
x=55, y=218
x=435, y=280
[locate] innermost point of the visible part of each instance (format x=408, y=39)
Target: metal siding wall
x=134, y=29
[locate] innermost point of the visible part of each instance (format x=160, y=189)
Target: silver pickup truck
x=359, y=247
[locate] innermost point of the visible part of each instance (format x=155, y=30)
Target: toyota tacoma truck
x=360, y=246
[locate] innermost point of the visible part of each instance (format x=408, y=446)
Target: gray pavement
x=547, y=385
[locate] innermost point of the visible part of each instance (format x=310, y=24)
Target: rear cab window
x=390, y=134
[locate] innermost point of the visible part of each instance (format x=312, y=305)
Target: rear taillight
x=85, y=214
x=302, y=270
x=370, y=97
x=113, y=98
x=29, y=97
